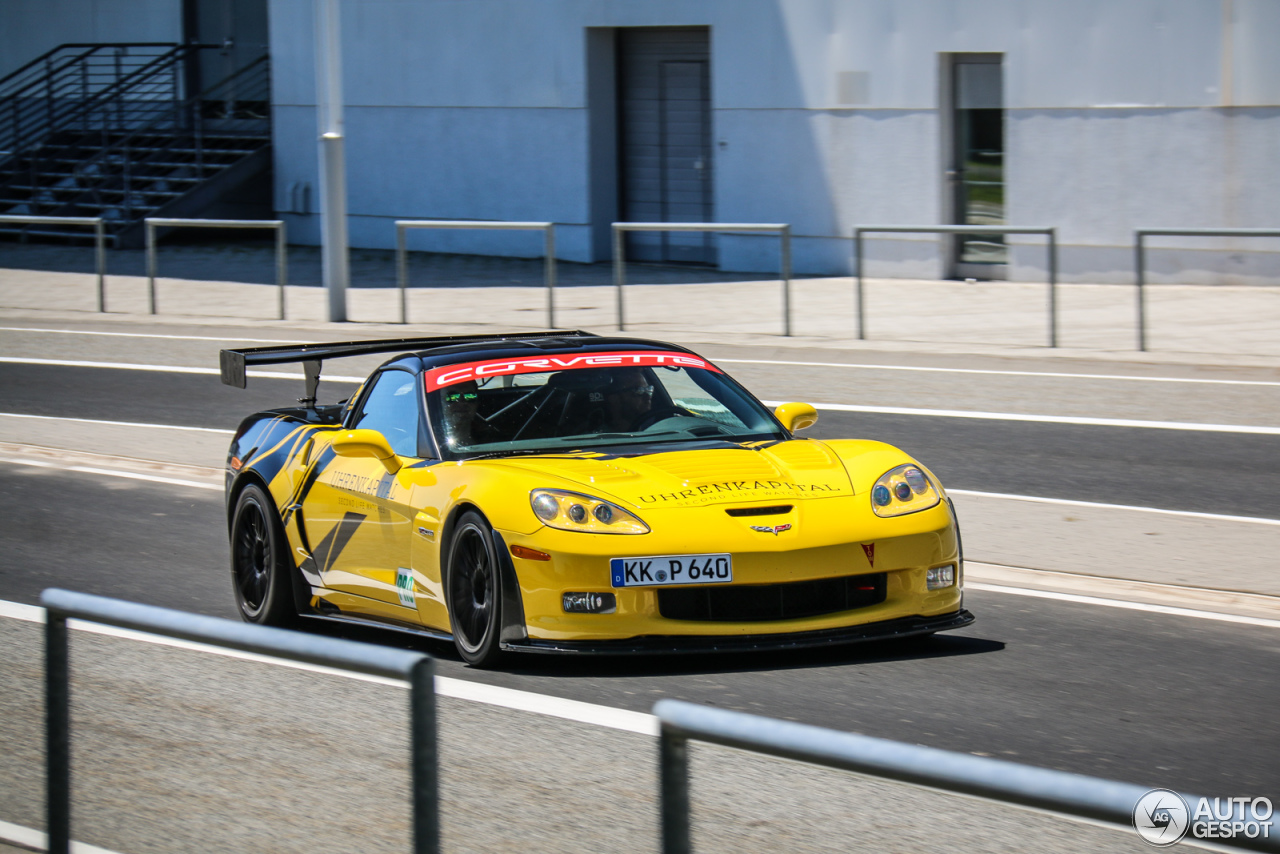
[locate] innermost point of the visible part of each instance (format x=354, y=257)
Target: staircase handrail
x=146, y=130
x=83, y=170
x=94, y=47
x=157, y=65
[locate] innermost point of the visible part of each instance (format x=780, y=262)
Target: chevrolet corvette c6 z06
x=565, y=492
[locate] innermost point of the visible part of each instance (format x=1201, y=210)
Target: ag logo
x=1161, y=817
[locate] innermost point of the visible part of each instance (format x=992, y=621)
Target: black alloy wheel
x=475, y=592
x=259, y=573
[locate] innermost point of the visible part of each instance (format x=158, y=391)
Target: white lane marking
x=542, y=704
x=1128, y=606
x=854, y=366
x=1190, y=514
x=833, y=407
x=1043, y=419
x=490, y=695
x=37, y=840
x=1066, y=502
x=168, y=369
x=147, y=335
x=574, y=710
x=153, y=478
x=216, y=430
x=1122, y=377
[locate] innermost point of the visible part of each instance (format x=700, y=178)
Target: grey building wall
x=1119, y=115
x=29, y=28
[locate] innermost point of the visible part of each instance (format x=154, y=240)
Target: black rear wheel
x=475, y=593
x=260, y=571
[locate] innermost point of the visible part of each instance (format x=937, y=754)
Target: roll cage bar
x=234, y=363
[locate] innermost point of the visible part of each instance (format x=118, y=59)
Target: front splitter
x=905, y=627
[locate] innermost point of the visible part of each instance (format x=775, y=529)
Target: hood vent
x=775, y=510
x=712, y=465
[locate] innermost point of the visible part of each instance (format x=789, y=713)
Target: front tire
x=260, y=571
x=475, y=592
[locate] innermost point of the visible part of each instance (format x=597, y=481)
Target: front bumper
x=904, y=627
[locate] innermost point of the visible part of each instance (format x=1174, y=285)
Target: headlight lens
x=545, y=506
x=573, y=511
x=903, y=490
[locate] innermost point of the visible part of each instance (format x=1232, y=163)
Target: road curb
x=1232, y=602
x=60, y=458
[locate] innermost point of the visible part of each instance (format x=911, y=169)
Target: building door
x=975, y=170
x=665, y=140
x=239, y=26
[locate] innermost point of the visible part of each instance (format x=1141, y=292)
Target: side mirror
x=796, y=416
x=366, y=443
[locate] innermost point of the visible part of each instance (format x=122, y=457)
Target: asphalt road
x=1225, y=473
x=1153, y=699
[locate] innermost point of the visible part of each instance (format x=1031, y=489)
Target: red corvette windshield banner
x=438, y=378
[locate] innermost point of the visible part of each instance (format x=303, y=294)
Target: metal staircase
x=106, y=130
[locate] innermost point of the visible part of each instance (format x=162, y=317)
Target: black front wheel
x=475, y=593
x=260, y=561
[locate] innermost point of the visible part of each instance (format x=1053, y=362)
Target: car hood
x=797, y=470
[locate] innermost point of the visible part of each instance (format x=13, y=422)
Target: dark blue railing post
x=57, y=711
x=673, y=769
x=424, y=758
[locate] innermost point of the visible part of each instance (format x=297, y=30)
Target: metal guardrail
x=1107, y=801
x=1140, y=259
x=549, y=253
x=783, y=230
x=282, y=269
x=417, y=668
x=99, y=242
x=860, y=230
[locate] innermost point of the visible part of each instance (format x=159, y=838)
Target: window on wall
x=977, y=173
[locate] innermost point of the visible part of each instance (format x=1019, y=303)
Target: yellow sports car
x=565, y=492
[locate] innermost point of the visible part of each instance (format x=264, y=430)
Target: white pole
x=333, y=179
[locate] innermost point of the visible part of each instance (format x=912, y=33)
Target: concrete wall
x=1120, y=114
x=28, y=28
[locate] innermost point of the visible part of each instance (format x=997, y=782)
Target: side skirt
x=373, y=623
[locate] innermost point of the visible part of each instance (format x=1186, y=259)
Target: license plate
x=664, y=570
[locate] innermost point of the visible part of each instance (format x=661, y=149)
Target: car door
x=358, y=513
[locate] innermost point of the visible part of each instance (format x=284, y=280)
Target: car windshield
x=600, y=400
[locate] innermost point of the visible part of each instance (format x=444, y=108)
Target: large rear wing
x=235, y=363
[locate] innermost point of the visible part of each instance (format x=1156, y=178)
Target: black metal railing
x=130, y=140
x=82, y=87
x=415, y=668
x=1093, y=799
x=135, y=172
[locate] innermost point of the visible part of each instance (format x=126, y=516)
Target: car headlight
x=573, y=511
x=906, y=489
